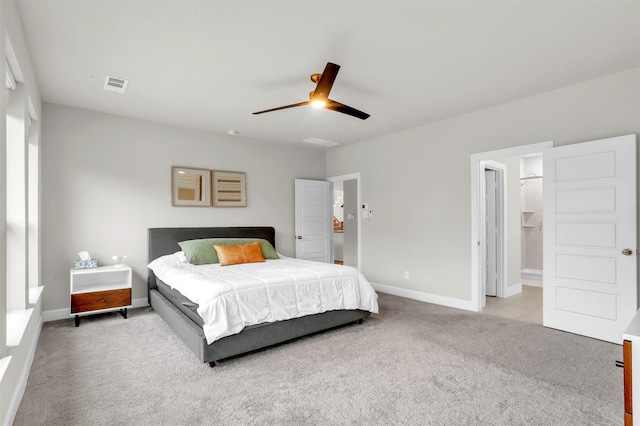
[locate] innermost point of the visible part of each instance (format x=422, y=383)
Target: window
x=19, y=206
x=16, y=199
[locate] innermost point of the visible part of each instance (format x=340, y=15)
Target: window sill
x=4, y=366
x=34, y=294
x=17, y=322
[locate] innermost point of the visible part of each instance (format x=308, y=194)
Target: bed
x=181, y=315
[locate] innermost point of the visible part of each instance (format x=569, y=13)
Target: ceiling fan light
x=316, y=101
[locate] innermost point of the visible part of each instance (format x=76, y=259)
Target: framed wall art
x=190, y=187
x=229, y=189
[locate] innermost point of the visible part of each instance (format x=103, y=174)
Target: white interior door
x=491, y=232
x=590, y=272
x=313, y=216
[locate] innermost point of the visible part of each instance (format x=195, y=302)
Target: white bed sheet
x=233, y=297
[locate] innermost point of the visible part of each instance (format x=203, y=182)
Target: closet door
x=491, y=232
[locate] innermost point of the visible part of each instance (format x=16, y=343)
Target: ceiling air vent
x=115, y=84
x=322, y=142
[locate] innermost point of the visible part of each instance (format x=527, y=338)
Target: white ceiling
x=210, y=64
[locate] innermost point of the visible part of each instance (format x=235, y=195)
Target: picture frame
x=229, y=189
x=190, y=187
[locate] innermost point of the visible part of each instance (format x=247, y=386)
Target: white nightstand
x=101, y=289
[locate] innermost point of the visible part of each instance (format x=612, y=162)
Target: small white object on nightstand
x=119, y=259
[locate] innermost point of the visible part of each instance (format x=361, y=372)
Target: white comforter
x=233, y=297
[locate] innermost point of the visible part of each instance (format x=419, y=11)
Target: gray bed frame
x=164, y=241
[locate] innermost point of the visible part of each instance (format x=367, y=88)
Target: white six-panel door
x=313, y=204
x=590, y=271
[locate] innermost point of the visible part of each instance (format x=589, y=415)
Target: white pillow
x=181, y=256
x=165, y=262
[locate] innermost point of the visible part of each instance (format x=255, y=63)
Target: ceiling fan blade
x=345, y=109
x=283, y=107
x=326, y=81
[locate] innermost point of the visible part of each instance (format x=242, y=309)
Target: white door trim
x=356, y=177
x=477, y=178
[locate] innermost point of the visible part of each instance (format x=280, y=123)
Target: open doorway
x=338, y=223
x=346, y=220
x=501, y=252
x=531, y=211
x=513, y=188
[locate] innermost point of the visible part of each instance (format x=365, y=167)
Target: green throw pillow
x=201, y=252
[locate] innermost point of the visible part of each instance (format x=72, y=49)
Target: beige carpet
x=413, y=364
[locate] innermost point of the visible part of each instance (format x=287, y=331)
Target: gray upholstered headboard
x=165, y=240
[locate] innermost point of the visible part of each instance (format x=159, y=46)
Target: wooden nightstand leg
x=123, y=312
x=77, y=320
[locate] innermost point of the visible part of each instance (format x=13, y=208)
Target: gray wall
x=106, y=179
x=417, y=181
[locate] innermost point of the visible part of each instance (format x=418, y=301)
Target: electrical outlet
x=406, y=275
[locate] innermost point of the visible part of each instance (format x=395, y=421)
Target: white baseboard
x=139, y=303
x=56, y=314
x=425, y=297
x=532, y=283
x=60, y=314
x=513, y=290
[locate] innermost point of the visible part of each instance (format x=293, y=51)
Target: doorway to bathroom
x=517, y=196
x=504, y=286
x=531, y=211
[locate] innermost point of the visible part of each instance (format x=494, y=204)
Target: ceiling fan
x=319, y=98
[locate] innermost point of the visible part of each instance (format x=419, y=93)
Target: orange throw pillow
x=235, y=254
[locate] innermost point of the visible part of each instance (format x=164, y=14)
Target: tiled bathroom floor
x=525, y=306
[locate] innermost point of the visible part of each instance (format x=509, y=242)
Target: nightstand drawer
x=97, y=300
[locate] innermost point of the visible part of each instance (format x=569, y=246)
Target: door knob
x=299, y=237
x=627, y=252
